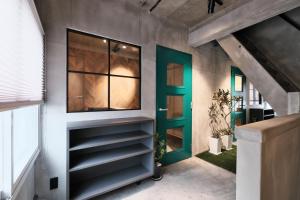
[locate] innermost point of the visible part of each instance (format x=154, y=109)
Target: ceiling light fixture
x=211, y=5
x=154, y=6
x=124, y=47
x=104, y=41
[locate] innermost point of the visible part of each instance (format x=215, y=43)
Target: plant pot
x=215, y=146
x=157, y=172
x=227, y=141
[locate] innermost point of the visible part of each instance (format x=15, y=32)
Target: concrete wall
x=247, y=14
x=268, y=159
x=272, y=92
x=27, y=191
x=117, y=20
x=279, y=41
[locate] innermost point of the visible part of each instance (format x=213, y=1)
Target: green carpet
x=226, y=160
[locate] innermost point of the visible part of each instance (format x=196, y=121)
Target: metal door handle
x=163, y=109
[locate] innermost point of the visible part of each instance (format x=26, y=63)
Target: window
x=255, y=97
x=19, y=137
x=103, y=74
x=21, y=91
x=238, y=83
x=24, y=137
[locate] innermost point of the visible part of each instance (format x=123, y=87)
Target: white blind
x=21, y=53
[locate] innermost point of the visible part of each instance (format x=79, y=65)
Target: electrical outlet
x=53, y=183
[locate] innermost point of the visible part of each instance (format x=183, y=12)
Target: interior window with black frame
x=103, y=74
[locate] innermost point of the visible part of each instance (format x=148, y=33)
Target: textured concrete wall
x=117, y=20
x=279, y=41
x=27, y=191
x=293, y=102
x=249, y=13
x=268, y=159
x=273, y=93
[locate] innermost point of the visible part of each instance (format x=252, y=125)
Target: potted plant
x=226, y=139
x=219, y=112
x=214, y=140
x=160, y=150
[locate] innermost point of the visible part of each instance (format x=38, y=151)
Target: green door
x=173, y=102
x=238, y=88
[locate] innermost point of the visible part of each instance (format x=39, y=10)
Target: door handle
x=163, y=109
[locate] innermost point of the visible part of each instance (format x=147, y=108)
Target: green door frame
x=242, y=114
x=165, y=56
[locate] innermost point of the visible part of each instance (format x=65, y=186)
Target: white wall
x=117, y=20
x=27, y=191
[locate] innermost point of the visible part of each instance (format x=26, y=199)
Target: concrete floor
x=192, y=179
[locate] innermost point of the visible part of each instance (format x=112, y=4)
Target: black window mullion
x=84, y=72
x=123, y=76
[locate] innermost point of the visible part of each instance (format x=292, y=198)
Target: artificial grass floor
x=226, y=160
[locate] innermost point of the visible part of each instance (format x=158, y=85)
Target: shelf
x=99, y=158
x=107, y=122
x=109, y=182
x=109, y=139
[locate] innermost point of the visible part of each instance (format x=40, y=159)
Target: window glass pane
x=256, y=95
x=238, y=83
x=124, y=93
x=25, y=137
x=174, y=74
x=125, y=60
x=174, y=139
x=175, y=106
x=239, y=105
x=87, y=53
x=251, y=86
x=87, y=92
x=251, y=95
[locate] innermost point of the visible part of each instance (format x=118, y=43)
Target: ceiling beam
x=241, y=17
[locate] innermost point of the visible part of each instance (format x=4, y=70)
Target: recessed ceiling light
x=124, y=47
x=104, y=41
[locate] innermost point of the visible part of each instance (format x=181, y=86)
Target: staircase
x=268, y=53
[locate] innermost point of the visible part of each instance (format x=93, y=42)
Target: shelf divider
x=103, y=140
x=100, y=158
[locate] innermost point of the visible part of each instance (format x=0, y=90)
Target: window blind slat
x=21, y=54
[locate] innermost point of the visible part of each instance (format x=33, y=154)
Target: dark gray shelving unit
x=259, y=114
x=108, y=154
